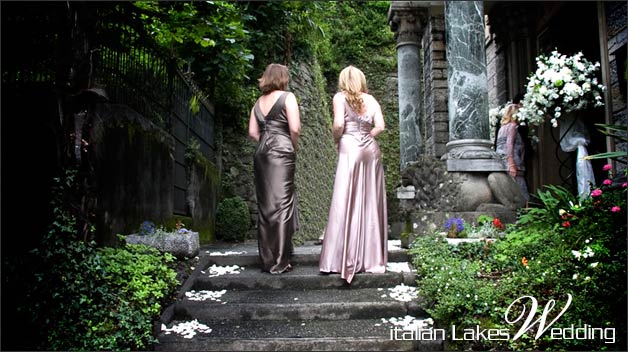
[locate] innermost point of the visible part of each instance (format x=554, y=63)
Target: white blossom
x=560, y=81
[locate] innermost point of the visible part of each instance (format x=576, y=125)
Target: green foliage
x=564, y=246
x=232, y=219
x=88, y=298
x=209, y=40
x=617, y=132
x=359, y=35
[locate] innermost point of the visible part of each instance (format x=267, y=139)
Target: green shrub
x=567, y=246
x=232, y=219
x=86, y=298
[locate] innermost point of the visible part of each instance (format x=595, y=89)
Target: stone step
x=294, y=335
x=247, y=255
x=304, y=258
x=292, y=344
x=331, y=304
x=302, y=277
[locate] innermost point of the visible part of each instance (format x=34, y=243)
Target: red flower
x=607, y=167
x=497, y=223
x=566, y=224
x=596, y=193
x=616, y=209
x=607, y=182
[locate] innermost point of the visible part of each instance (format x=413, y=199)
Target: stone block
x=441, y=126
x=405, y=192
x=436, y=74
x=438, y=55
x=439, y=83
x=474, y=191
x=439, y=64
x=180, y=245
x=440, y=149
x=440, y=99
x=506, y=190
x=437, y=45
x=500, y=211
x=442, y=136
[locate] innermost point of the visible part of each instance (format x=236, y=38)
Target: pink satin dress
x=356, y=234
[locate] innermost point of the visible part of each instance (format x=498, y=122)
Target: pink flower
x=624, y=185
x=615, y=209
x=596, y=193
x=607, y=167
x=607, y=182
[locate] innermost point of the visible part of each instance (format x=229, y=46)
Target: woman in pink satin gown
x=356, y=237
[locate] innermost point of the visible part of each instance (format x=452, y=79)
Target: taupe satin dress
x=274, y=166
x=356, y=236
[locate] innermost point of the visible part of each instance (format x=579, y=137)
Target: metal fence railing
x=123, y=60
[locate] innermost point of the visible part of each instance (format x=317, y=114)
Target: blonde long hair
x=352, y=82
x=510, y=114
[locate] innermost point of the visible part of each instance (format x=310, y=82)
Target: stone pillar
x=469, y=148
x=406, y=19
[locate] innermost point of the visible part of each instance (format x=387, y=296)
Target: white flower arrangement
x=560, y=85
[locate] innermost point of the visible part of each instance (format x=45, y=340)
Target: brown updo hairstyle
x=275, y=77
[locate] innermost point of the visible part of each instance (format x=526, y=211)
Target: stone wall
x=202, y=196
x=133, y=167
x=317, y=156
x=496, y=70
x=617, y=33
x=435, y=89
x=383, y=86
x=237, y=169
x=133, y=161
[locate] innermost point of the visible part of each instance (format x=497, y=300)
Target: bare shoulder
x=369, y=99
x=290, y=97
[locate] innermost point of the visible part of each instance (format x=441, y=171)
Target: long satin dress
x=356, y=235
x=274, y=167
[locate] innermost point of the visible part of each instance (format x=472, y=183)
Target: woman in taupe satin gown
x=356, y=236
x=274, y=123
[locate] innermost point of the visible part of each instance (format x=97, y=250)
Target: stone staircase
x=228, y=304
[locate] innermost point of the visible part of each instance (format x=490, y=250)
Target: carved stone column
x=469, y=148
x=406, y=19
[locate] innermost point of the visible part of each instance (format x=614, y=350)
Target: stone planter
x=407, y=239
x=180, y=245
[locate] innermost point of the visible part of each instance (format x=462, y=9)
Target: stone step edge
x=187, y=310
x=309, y=280
x=309, y=258
x=302, y=344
